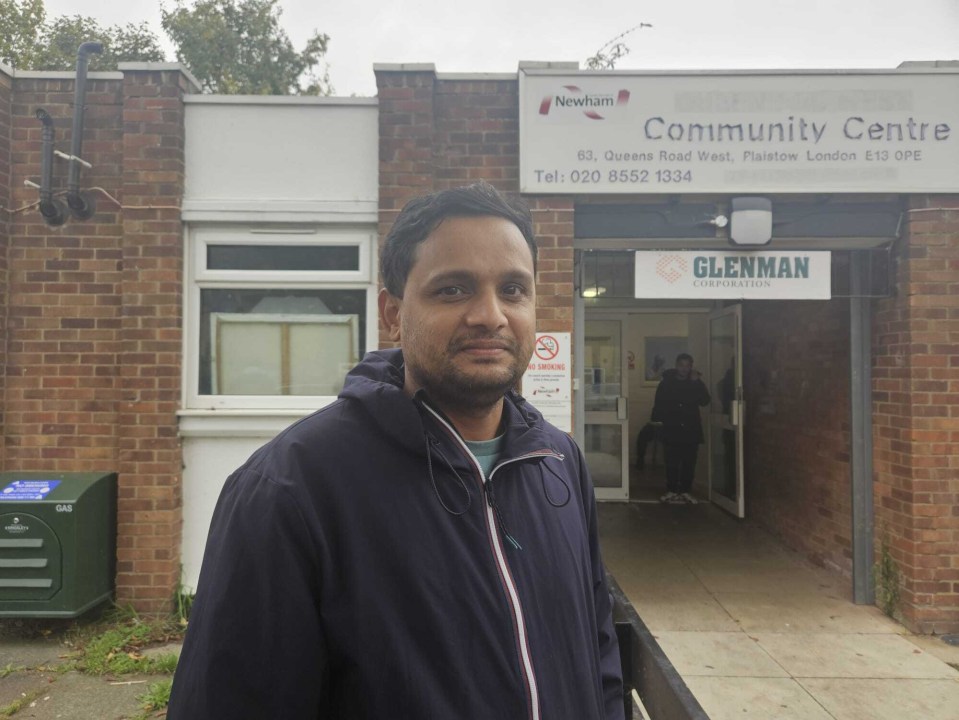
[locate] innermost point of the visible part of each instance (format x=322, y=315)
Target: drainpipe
x=52, y=210
x=81, y=206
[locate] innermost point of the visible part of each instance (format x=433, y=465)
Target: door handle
x=621, y=411
x=736, y=410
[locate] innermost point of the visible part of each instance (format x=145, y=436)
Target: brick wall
x=151, y=291
x=63, y=321
x=436, y=134
x=93, y=332
x=916, y=415
x=476, y=133
x=553, y=225
x=797, y=424
x=796, y=385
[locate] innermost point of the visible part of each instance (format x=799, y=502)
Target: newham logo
x=576, y=98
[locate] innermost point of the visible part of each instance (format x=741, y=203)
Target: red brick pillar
x=150, y=496
x=406, y=141
x=553, y=228
x=476, y=133
x=916, y=416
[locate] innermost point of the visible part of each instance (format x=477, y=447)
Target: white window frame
x=199, y=278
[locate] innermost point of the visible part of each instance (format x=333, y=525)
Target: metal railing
x=646, y=669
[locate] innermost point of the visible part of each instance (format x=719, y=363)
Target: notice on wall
x=785, y=275
x=547, y=383
x=811, y=132
x=20, y=490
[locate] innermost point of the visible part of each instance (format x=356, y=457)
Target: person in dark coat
x=679, y=396
x=426, y=546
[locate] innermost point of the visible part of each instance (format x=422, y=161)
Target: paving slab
x=74, y=696
x=664, y=610
x=934, y=645
x=804, y=613
x=853, y=656
x=154, y=651
x=725, y=698
x=24, y=684
x=858, y=699
x=32, y=653
x=722, y=654
x=656, y=568
x=760, y=579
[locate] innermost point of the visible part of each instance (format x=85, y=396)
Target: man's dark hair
x=684, y=356
x=421, y=216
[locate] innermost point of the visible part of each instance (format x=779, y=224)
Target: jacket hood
x=377, y=384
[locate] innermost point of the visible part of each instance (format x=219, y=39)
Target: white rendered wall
x=264, y=162
x=213, y=447
x=290, y=159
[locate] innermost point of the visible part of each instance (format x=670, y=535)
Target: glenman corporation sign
x=787, y=275
x=850, y=131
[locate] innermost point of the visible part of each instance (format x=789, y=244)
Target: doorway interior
x=622, y=345
x=625, y=349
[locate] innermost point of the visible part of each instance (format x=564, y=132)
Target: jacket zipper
x=506, y=576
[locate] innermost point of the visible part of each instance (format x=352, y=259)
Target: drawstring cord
x=569, y=493
x=430, y=440
x=432, y=444
x=488, y=486
x=491, y=499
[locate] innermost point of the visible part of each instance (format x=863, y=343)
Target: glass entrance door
x=606, y=440
x=726, y=410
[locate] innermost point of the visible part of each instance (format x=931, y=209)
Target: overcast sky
x=494, y=35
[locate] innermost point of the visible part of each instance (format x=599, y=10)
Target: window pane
x=609, y=275
x=604, y=455
x=603, y=380
x=283, y=257
x=279, y=341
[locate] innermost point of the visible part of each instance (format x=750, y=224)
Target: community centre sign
x=829, y=131
x=788, y=275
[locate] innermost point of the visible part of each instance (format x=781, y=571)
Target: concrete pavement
x=34, y=685
x=757, y=632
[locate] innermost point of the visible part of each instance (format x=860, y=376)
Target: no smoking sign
x=547, y=347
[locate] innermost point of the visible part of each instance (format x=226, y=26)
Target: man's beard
x=451, y=387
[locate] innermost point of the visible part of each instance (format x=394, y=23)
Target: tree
x=238, y=47
x=609, y=54
x=27, y=41
x=21, y=23
x=61, y=38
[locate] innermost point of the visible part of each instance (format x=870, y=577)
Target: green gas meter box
x=58, y=536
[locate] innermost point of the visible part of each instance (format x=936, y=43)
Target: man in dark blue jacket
x=679, y=396
x=426, y=546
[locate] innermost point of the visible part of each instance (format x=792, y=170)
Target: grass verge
x=156, y=698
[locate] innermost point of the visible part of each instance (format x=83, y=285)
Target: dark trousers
x=649, y=434
x=680, y=466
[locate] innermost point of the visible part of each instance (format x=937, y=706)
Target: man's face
x=683, y=368
x=467, y=317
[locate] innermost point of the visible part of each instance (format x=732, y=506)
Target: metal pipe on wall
x=51, y=209
x=860, y=401
x=81, y=206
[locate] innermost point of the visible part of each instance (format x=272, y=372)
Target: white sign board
x=547, y=383
x=882, y=131
x=788, y=275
